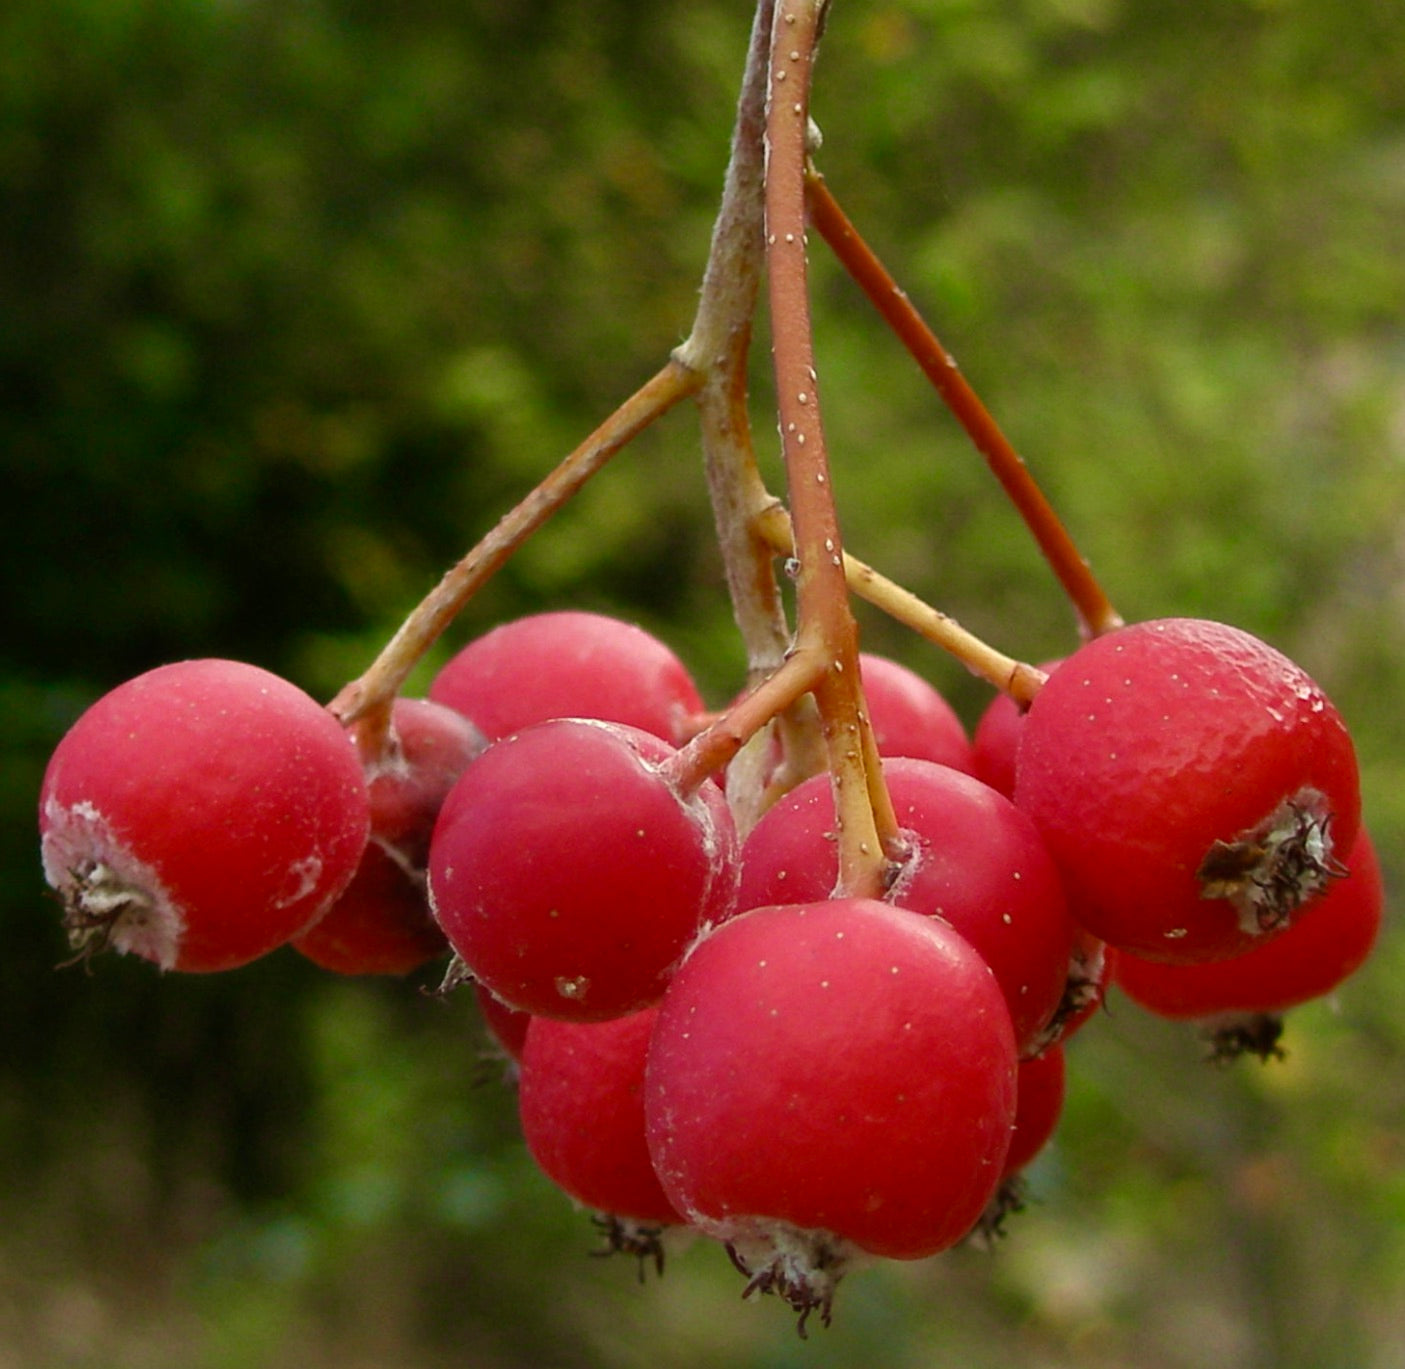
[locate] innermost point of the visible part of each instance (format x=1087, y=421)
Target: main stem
x=717, y=347
x=826, y=631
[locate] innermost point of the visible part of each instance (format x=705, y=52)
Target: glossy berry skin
x=570, y=876
x=201, y=815
x=581, y=1102
x=506, y=1026
x=831, y=1076
x=569, y=664
x=996, y=740
x=1194, y=785
x=976, y=861
x=430, y=746
x=1329, y=941
x=910, y=718
x=1041, y=1083
x=382, y=924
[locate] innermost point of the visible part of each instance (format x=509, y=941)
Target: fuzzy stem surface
x=826, y=631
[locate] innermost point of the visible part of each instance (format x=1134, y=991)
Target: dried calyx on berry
x=1232, y=1035
x=802, y=1268
x=1271, y=871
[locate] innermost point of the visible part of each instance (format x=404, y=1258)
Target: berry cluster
x=708, y=1033
x=796, y=975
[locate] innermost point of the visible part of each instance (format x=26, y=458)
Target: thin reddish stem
x=1009, y=675
x=367, y=700
x=1095, y=611
x=715, y=746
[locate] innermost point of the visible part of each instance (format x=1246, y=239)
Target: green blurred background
x=297, y=297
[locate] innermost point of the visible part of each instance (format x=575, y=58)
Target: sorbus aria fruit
x=1194, y=785
x=826, y=1078
x=975, y=861
x=1329, y=940
x=909, y=717
x=581, y=1101
x=200, y=815
x=382, y=924
x=1040, y=1085
x=568, y=873
x=506, y=1026
x=996, y=740
x=569, y=664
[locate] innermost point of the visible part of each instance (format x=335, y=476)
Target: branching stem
x=367, y=700
x=1013, y=677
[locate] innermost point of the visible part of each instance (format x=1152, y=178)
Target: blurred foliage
x=298, y=297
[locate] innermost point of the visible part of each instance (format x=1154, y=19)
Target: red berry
x=1329, y=940
x=997, y=738
x=830, y=1077
x=976, y=861
x=382, y=924
x=910, y=718
x=1040, y=1085
x=580, y=1098
x=430, y=747
x=507, y=1026
x=1194, y=785
x=570, y=876
x=200, y=815
x=569, y=665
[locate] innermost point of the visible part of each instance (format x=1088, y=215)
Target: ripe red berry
x=996, y=739
x=581, y=1101
x=200, y=815
x=382, y=924
x=1195, y=786
x=826, y=1078
x=976, y=861
x=569, y=664
x=506, y=1026
x=1040, y=1085
x=1329, y=940
x=430, y=746
x=569, y=874
x=910, y=718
